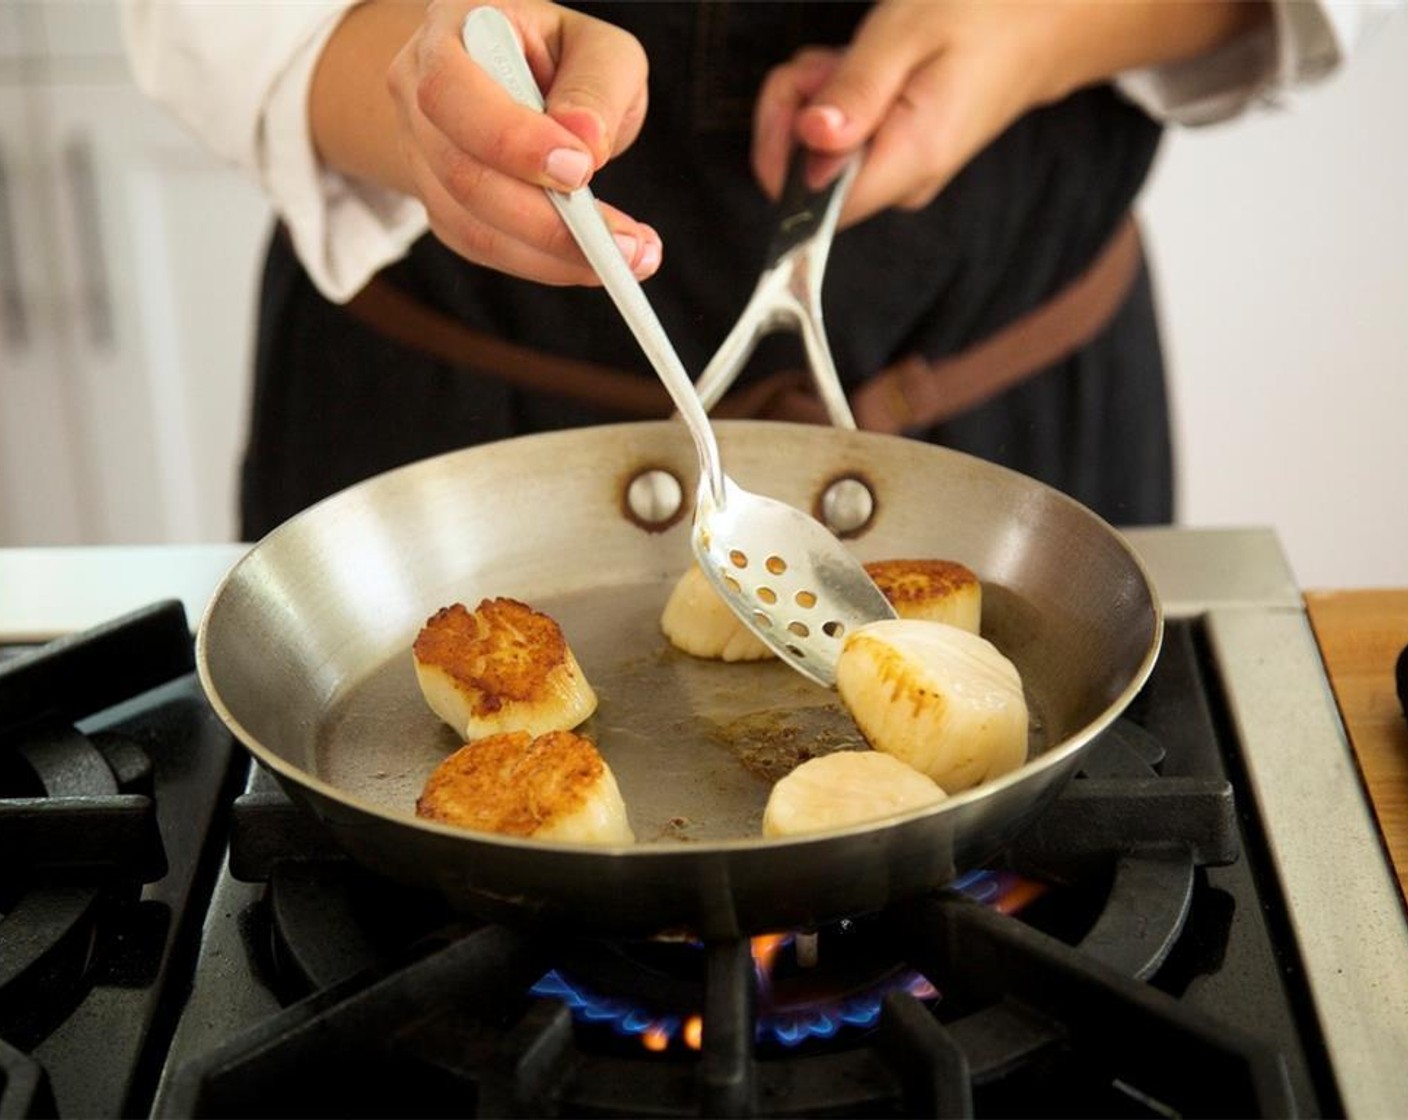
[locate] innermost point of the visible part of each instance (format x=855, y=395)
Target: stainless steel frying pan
x=305, y=653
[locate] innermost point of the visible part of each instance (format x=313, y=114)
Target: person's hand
x=476, y=159
x=479, y=161
x=927, y=84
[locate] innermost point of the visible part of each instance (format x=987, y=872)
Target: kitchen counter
x=1360, y=634
x=46, y=592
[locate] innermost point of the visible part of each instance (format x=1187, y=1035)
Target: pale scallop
x=699, y=622
x=937, y=697
x=846, y=788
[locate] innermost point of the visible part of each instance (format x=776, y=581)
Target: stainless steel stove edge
x=1342, y=897
x=1197, y=570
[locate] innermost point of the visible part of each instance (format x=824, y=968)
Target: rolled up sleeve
x=237, y=76
x=1305, y=41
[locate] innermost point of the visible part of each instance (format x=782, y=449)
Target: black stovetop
x=1147, y=972
x=115, y=777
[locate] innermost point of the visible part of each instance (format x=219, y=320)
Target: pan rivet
x=847, y=505
x=654, y=498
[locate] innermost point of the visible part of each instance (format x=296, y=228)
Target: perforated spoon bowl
x=780, y=571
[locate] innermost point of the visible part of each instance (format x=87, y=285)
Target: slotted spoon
x=780, y=571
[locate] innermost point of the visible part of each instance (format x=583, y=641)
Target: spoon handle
x=492, y=42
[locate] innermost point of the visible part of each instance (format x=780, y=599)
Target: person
x=420, y=294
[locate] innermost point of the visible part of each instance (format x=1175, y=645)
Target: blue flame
x=984, y=886
x=626, y=1017
x=789, y=1027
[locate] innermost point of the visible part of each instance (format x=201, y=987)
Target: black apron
x=335, y=402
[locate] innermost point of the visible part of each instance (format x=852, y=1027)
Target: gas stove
x=1204, y=922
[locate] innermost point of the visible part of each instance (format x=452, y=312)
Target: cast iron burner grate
x=452, y=1032
x=394, y=1005
x=111, y=770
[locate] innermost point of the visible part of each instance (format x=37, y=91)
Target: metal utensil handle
x=807, y=215
x=808, y=268
x=788, y=291
x=490, y=39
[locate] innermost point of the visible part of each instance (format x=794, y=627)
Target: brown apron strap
x=912, y=394
x=915, y=393
x=401, y=318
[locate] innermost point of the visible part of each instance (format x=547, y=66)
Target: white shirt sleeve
x=240, y=85
x=1306, y=40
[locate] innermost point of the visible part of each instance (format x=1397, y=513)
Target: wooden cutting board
x=1360, y=634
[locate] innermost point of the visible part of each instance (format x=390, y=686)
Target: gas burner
x=811, y=988
x=452, y=1027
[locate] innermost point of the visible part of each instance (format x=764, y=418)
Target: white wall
x=1281, y=244
x=129, y=259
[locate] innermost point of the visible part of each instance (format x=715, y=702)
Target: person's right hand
x=479, y=161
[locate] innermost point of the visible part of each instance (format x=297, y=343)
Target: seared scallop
x=943, y=700
x=502, y=667
x=552, y=787
x=937, y=590
x=845, y=788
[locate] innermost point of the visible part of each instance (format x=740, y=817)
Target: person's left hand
x=927, y=84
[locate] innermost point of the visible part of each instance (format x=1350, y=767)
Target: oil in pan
x=695, y=745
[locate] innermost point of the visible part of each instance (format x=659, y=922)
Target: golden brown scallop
x=937, y=590
x=552, y=787
x=502, y=667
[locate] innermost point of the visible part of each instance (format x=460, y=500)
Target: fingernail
x=568, y=167
x=831, y=116
x=649, y=258
x=628, y=245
